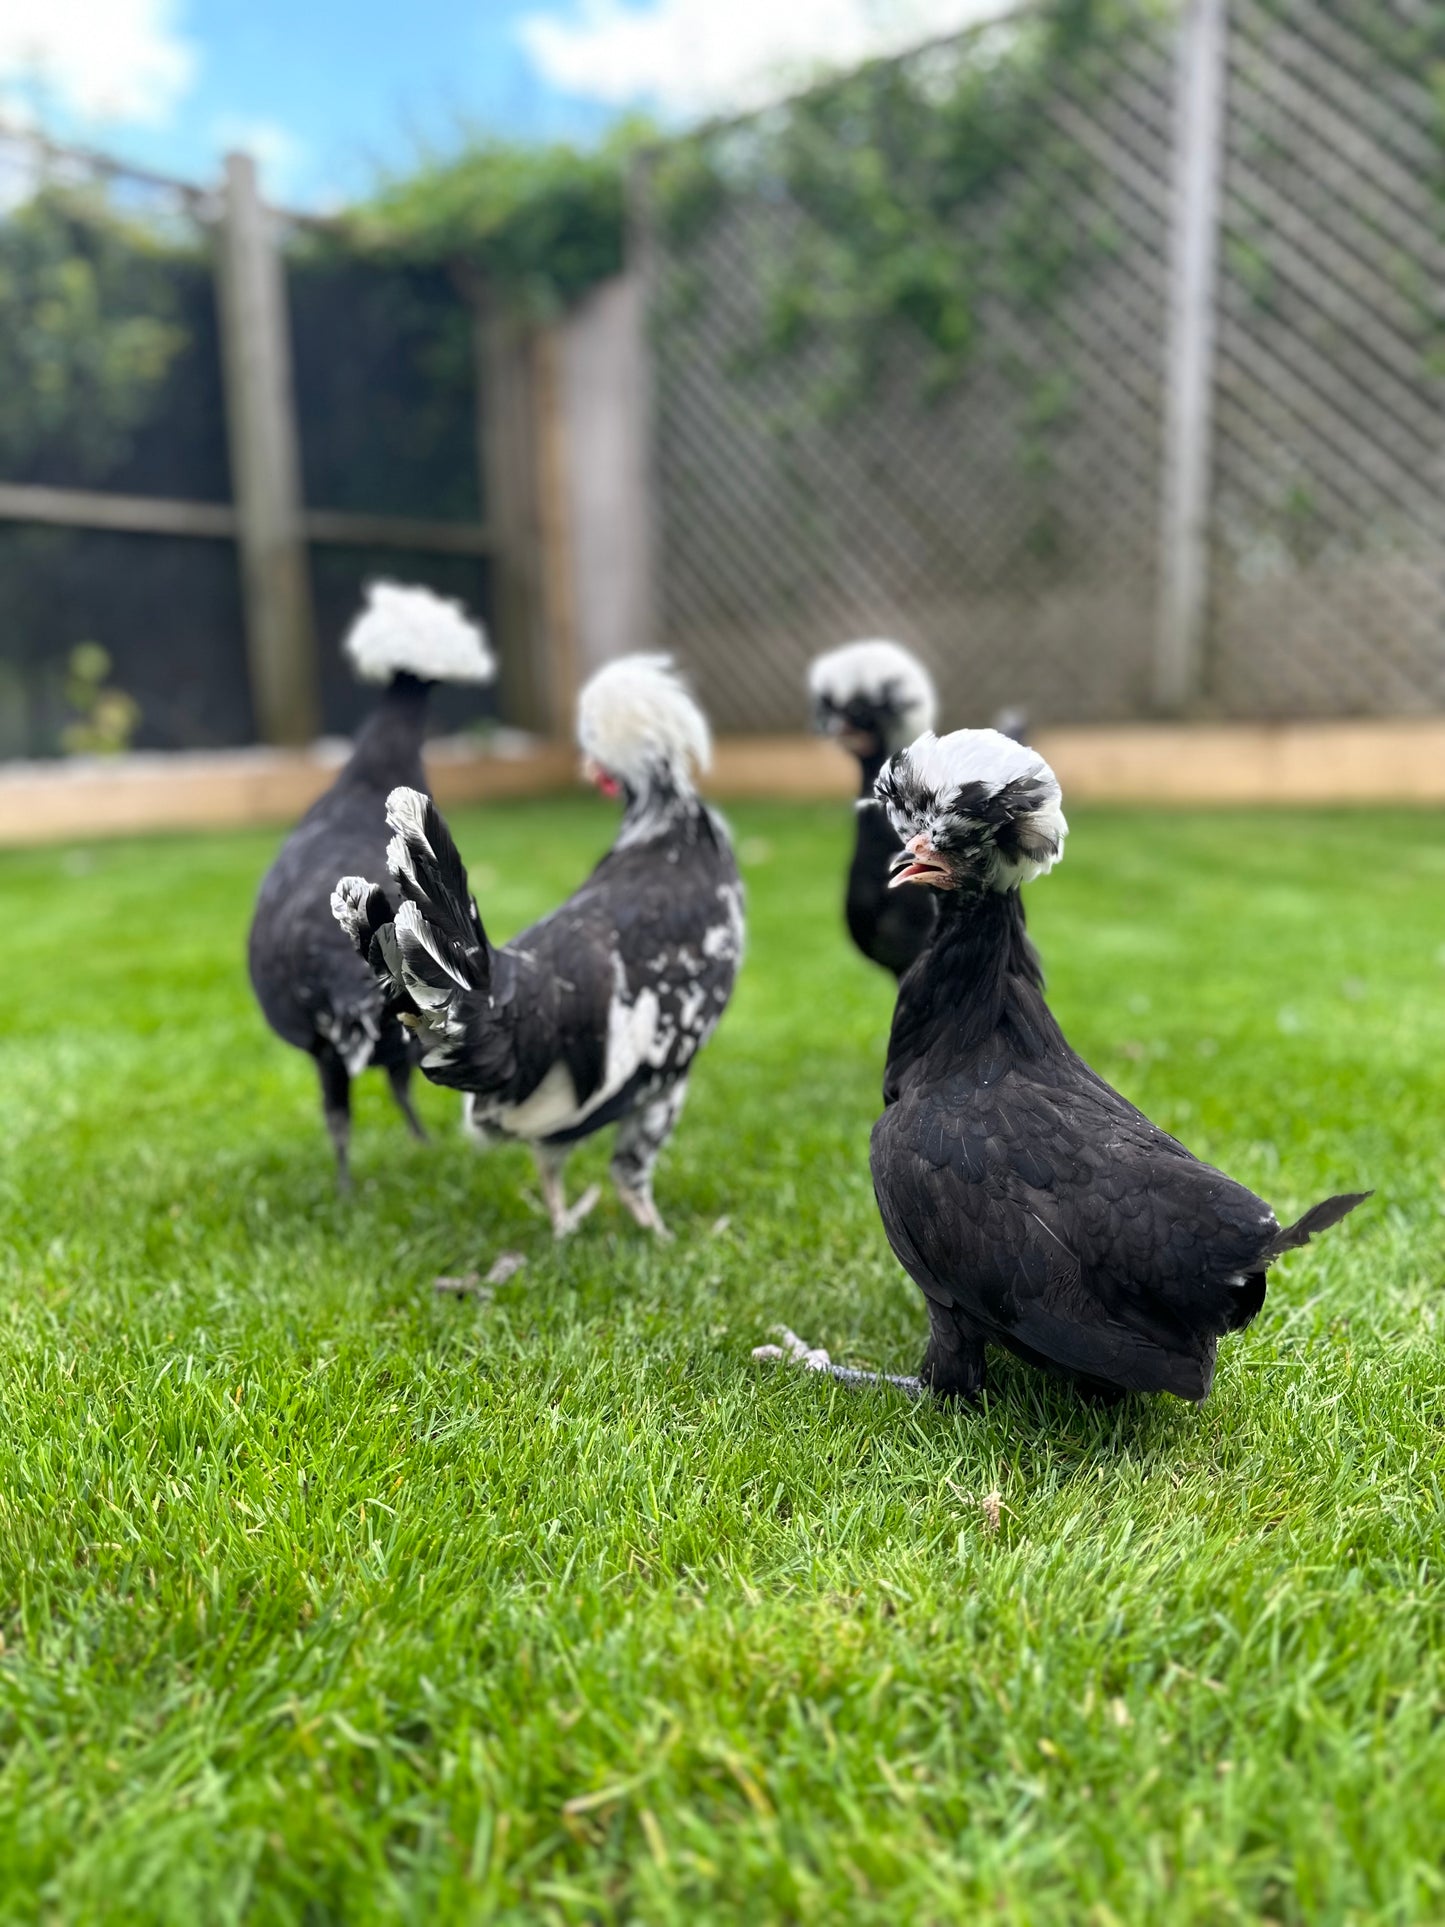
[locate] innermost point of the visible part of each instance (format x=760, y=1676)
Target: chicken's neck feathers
x=870, y=768
x=386, y=754
x=978, y=977
x=662, y=809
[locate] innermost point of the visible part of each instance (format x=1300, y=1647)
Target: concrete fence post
x=266, y=465
x=1200, y=79
x=555, y=460
x=604, y=353
x=563, y=440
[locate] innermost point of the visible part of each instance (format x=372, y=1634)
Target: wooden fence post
x=266, y=465
x=1200, y=75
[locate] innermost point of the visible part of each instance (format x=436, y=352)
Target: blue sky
x=329, y=92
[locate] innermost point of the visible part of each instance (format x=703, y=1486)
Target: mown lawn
x=326, y=1599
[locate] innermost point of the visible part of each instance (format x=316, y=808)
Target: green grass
x=326, y=1599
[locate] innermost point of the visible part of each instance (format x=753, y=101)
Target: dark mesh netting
x=385, y=390
x=167, y=611
x=110, y=364
x=111, y=380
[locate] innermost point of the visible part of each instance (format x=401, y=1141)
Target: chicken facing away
x=314, y=991
x=873, y=698
x=1034, y=1206
x=594, y=1016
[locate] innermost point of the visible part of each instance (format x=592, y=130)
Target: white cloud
x=277, y=152
x=693, y=57
x=101, y=60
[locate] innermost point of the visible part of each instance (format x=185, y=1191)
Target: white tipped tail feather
x=348, y=905
x=637, y=721
x=413, y=631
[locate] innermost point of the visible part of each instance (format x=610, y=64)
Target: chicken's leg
x=812, y=1358
x=565, y=1220
x=336, y=1104
x=400, y=1079
x=640, y=1138
x=955, y=1364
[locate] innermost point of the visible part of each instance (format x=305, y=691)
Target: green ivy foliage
x=89, y=329
x=537, y=225
x=878, y=174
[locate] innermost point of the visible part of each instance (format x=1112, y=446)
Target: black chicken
x=874, y=697
x=313, y=989
x=594, y=1015
x=1034, y=1206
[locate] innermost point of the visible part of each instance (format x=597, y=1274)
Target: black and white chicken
x=1034, y=1206
x=314, y=991
x=593, y=1016
x=873, y=698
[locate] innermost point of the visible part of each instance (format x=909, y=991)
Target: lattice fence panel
x=1004, y=524
x=1328, y=511
x=1008, y=522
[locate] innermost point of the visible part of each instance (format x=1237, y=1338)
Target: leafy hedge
x=883, y=168
x=89, y=329
x=537, y=225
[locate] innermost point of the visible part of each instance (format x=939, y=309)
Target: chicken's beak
x=918, y=862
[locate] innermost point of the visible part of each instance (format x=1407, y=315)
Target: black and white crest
x=990, y=805
x=876, y=687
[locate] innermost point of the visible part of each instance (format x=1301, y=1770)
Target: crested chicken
x=1033, y=1205
x=594, y=1016
x=314, y=991
x=873, y=698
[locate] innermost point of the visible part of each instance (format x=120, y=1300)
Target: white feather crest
x=636, y=720
x=405, y=628
x=885, y=675
x=986, y=756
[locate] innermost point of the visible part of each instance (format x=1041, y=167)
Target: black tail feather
x=1318, y=1218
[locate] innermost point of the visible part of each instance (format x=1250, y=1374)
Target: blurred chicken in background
x=314, y=991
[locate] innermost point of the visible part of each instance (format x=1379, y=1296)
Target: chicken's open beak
x=918, y=862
